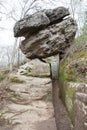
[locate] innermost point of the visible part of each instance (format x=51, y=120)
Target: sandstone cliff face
x=46, y=33
x=73, y=74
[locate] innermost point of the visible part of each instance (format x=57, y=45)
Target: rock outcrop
x=46, y=33
x=80, y=111
x=76, y=103
x=28, y=105
x=35, y=68
x=73, y=76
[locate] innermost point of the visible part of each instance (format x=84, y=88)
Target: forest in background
x=22, y=83
x=17, y=9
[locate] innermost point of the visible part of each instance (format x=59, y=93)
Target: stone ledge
x=75, y=99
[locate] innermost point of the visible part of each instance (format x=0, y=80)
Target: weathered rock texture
x=35, y=68
x=73, y=76
x=46, y=33
x=29, y=103
x=39, y=20
x=30, y=106
x=76, y=103
x=80, y=111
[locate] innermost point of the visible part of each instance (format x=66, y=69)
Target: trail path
x=30, y=106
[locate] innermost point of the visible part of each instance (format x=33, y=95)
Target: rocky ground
x=29, y=108
x=28, y=100
x=29, y=105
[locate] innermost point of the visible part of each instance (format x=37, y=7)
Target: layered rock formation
x=73, y=75
x=46, y=33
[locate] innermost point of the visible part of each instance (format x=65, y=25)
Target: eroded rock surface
x=35, y=68
x=30, y=103
x=31, y=23
x=76, y=103
x=50, y=41
x=46, y=33
x=39, y=20
x=80, y=111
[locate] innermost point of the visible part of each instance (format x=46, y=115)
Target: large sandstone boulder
x=46, y=33
x=50, y=41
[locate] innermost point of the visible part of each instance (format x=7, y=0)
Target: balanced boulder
x=46, y=33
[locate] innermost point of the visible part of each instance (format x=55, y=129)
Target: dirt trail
x=29, y=106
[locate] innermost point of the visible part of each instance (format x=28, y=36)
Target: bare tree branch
x=29, y=7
